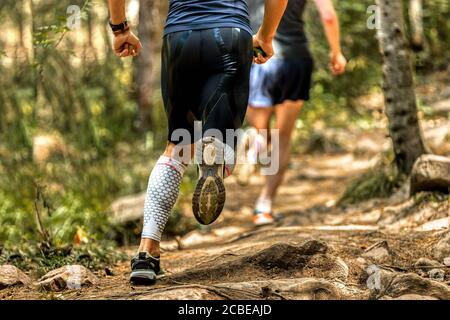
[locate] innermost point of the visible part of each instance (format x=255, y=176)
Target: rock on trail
x=11, y=276
x=442, y=248
x=309, y=259
x=68, y=277
x=395, y=285
x=281, y=289
x=431, y=173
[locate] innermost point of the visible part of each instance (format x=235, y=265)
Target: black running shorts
x=205, y=77
x=279, y=80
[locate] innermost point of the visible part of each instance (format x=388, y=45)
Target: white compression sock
x=258, y=146
x=263, y=205
x=162, y=194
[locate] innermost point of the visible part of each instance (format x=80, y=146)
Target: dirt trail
x=317, y=251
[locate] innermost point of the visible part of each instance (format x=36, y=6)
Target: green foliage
x=87, y=107
x=44, y=259
x=77, y=191
x=333, y=97
x=437, y=198
x=437, y=32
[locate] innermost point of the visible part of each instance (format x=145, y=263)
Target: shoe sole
x=141, y=277
x=209, y=195
x=262, y=224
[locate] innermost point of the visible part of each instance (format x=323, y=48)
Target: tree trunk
x=24, y=46
x=90, y=51
x=143, y=75
x=416, y=20
x=399, y=94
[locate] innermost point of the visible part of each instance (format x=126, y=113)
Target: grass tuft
x=379, y=182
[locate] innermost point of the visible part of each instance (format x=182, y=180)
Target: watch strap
x=119, y=27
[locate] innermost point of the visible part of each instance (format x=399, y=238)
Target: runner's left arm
x=330, y=22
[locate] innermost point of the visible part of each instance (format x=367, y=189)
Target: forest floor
x=322, y=249
x=318, y=249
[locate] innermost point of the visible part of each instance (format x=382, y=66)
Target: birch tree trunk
x=416, y=20
x=399, y=93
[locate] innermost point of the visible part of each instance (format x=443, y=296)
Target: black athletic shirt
x=290, y=40
x=207, y=14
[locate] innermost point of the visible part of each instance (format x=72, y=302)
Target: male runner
x=206, y=59
x=281, y=86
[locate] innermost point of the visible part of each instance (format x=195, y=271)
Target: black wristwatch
x=118, y=28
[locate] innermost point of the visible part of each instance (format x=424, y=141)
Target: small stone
x=447, y=261
x=69, y=277
x=426, y=265
x=437, y=274
x=378, y=253
x=438, y=224
x=442, y=248
x=362, y=263
x=11, y=276
x=409, y=297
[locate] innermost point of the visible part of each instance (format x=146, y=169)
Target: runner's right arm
x=273, y=12
x=125, y=43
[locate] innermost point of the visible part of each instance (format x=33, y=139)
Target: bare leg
x=151, y=246
x=259, y=118
x=286, y=116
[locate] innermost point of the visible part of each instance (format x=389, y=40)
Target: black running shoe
x=145, y=269
x=209, y=195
